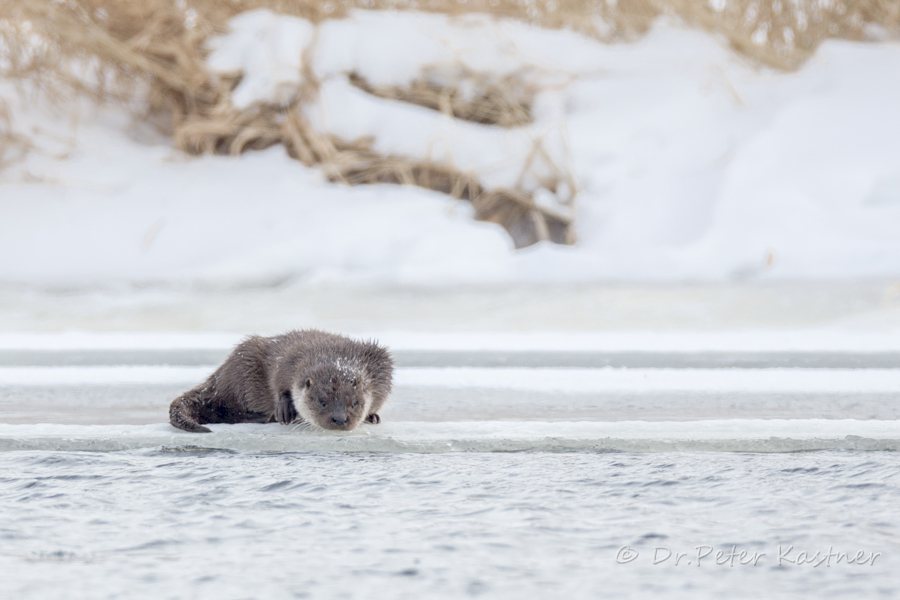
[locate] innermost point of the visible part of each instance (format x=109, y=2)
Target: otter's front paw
x=373, y=419
x=284, y=409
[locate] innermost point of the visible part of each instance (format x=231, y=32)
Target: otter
x=326, y=380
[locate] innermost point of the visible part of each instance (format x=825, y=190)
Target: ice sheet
x=738, y=435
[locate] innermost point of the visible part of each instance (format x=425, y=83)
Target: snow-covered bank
x=690, y=164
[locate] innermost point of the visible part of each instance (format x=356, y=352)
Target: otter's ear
x=308, y=383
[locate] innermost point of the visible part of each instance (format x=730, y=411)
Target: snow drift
x=688, y=163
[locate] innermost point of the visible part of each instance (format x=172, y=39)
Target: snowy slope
x=690, y=164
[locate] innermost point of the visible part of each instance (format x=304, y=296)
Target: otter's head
x=332, y=396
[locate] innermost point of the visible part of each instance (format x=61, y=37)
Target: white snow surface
x=268, y=51
x=690, y=163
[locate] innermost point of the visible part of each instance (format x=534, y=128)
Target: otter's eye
x=354, y=382
x=308, y=383
x=323, y=403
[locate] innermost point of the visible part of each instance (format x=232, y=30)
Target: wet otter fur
x=327, y=380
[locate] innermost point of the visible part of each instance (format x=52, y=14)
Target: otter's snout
x=339, y=418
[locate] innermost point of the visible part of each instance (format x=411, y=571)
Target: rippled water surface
x=219, y=524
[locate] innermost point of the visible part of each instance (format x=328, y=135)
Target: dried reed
x=13, y=146
x=505, y=102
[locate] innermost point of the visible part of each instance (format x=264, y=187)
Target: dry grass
x=13, y=146
x=505, y=102
x=785, y=33
x=149, y=55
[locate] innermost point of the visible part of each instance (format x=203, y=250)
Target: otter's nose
x=339, y=420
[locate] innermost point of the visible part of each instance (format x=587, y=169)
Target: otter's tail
x=184, y=413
